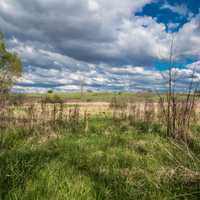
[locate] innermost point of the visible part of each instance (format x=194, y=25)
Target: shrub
x=52, y=98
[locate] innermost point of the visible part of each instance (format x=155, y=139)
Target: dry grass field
x=104, y=149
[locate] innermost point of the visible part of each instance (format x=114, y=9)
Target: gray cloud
x=62, y=41
x=92, y=30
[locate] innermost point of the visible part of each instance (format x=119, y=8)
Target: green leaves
x=10, y=67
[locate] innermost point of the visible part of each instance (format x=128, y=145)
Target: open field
x=114, y=160
x=99, y=100
x=91, y=96
x=108, y=149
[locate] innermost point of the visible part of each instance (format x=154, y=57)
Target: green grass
x=91, y=96
x=112, y=161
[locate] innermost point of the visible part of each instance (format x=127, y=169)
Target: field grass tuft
x=111, y=161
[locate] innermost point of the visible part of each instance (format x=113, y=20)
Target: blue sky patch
x=176, y=12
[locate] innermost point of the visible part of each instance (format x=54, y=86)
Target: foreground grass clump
x=109, y=162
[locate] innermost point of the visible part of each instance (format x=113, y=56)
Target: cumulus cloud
x=103, y=41
x=188, y=39
x=92, y=30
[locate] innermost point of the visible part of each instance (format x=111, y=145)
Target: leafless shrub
x=178, y=110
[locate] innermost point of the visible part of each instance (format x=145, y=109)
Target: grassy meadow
x=89, y=96
x=53, y=150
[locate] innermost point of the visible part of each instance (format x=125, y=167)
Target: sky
x=107, y=45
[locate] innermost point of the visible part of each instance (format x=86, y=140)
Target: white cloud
x=95, y=31
x=87, y=30
x=59, y=40
x=187, y=40
x=172, y=25
x=180, y=9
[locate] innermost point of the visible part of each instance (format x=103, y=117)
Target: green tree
x=10, y=67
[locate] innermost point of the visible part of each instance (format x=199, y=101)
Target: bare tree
x=177, y=109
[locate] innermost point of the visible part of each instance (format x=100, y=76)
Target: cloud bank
x=103, y=41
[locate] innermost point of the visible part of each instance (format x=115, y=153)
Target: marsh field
x=104, y=146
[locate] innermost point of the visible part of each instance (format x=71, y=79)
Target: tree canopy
x=10, y=67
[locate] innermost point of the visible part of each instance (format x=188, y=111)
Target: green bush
x=53, y=98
